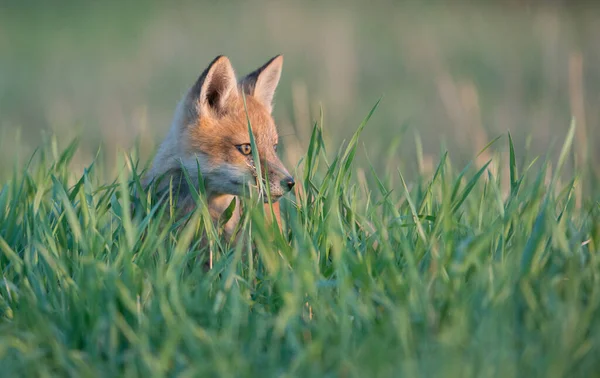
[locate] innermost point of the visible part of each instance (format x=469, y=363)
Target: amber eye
x=245, y=149
x=275, y=147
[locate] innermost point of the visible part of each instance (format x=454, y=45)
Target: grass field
x=450, y=275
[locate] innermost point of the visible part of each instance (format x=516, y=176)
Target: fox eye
x=245, y=149
x=275, y=147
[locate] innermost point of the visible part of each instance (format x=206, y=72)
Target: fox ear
x=215, y=87
x=262, y=83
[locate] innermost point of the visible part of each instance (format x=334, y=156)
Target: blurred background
x=457, y=75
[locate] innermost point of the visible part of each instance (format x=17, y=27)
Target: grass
x=446, y=275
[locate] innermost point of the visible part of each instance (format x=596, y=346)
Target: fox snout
x=281, y=187
x=279, y=180
x=288, y=182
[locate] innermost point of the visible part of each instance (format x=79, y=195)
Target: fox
x=209, y=133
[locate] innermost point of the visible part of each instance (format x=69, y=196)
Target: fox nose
x=288, y=183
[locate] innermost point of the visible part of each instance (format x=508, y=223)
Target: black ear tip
x=219, y=59
x=278, y=57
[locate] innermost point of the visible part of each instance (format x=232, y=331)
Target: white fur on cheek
x=227, y=179
x=223, y=178
x=194, y=162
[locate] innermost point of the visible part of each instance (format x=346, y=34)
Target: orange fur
x=215, y=136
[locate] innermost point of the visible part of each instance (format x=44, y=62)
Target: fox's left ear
x=262, y=83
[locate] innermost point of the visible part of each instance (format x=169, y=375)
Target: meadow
x=445, y=276
x=445, y=221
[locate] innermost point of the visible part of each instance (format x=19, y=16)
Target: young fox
x=210, y=131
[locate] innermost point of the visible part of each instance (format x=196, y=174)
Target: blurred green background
x=458, y=75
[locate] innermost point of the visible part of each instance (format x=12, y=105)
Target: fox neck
x=217, y=204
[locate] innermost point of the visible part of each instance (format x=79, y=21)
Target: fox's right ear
x=215, y=87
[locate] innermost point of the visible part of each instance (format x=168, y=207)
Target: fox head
x=210, y=131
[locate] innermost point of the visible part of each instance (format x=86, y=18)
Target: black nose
x=288, y=182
